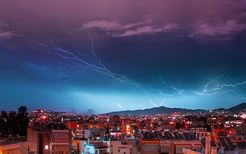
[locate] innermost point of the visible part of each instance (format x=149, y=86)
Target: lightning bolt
x=71, y=59
x=141, y=87
x=162, y=102
x=132, y=82
x=173, y=88
x=69, y=56
x=75, y=60
x=213, y=87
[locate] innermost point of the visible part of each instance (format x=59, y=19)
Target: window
x=46, y=147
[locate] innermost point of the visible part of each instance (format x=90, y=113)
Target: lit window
x=46, y=147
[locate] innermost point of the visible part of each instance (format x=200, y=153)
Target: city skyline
x=103, y=56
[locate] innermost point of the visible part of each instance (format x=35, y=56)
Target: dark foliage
x=14, y=123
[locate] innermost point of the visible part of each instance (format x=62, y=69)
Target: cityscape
x=123, y=77
x=198, y=131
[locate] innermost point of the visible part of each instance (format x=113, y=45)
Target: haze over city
x=99, y=56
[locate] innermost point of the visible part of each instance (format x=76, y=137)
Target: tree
x=4, y=124
x=22, y=121
x=13, y=123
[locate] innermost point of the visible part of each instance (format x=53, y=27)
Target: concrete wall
x=119, y=148
x=150, y=148
x=32, y=140
x=17, y=148
x=189, y=151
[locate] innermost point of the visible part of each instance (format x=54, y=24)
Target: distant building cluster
x=49, y=132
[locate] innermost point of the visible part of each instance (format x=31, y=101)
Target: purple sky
x=127, y=17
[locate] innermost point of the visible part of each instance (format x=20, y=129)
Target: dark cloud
x=220, y=28
x=4, y=34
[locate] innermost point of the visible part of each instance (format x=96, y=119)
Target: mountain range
x=167, y=110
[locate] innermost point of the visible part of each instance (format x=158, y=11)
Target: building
x=94, y=147
x=155, y=142
x=16, y=147
x=126, y=147
x=47, y=138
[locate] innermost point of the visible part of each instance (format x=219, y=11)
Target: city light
x=46, y=147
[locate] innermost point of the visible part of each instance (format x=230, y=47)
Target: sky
x=97, y=56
